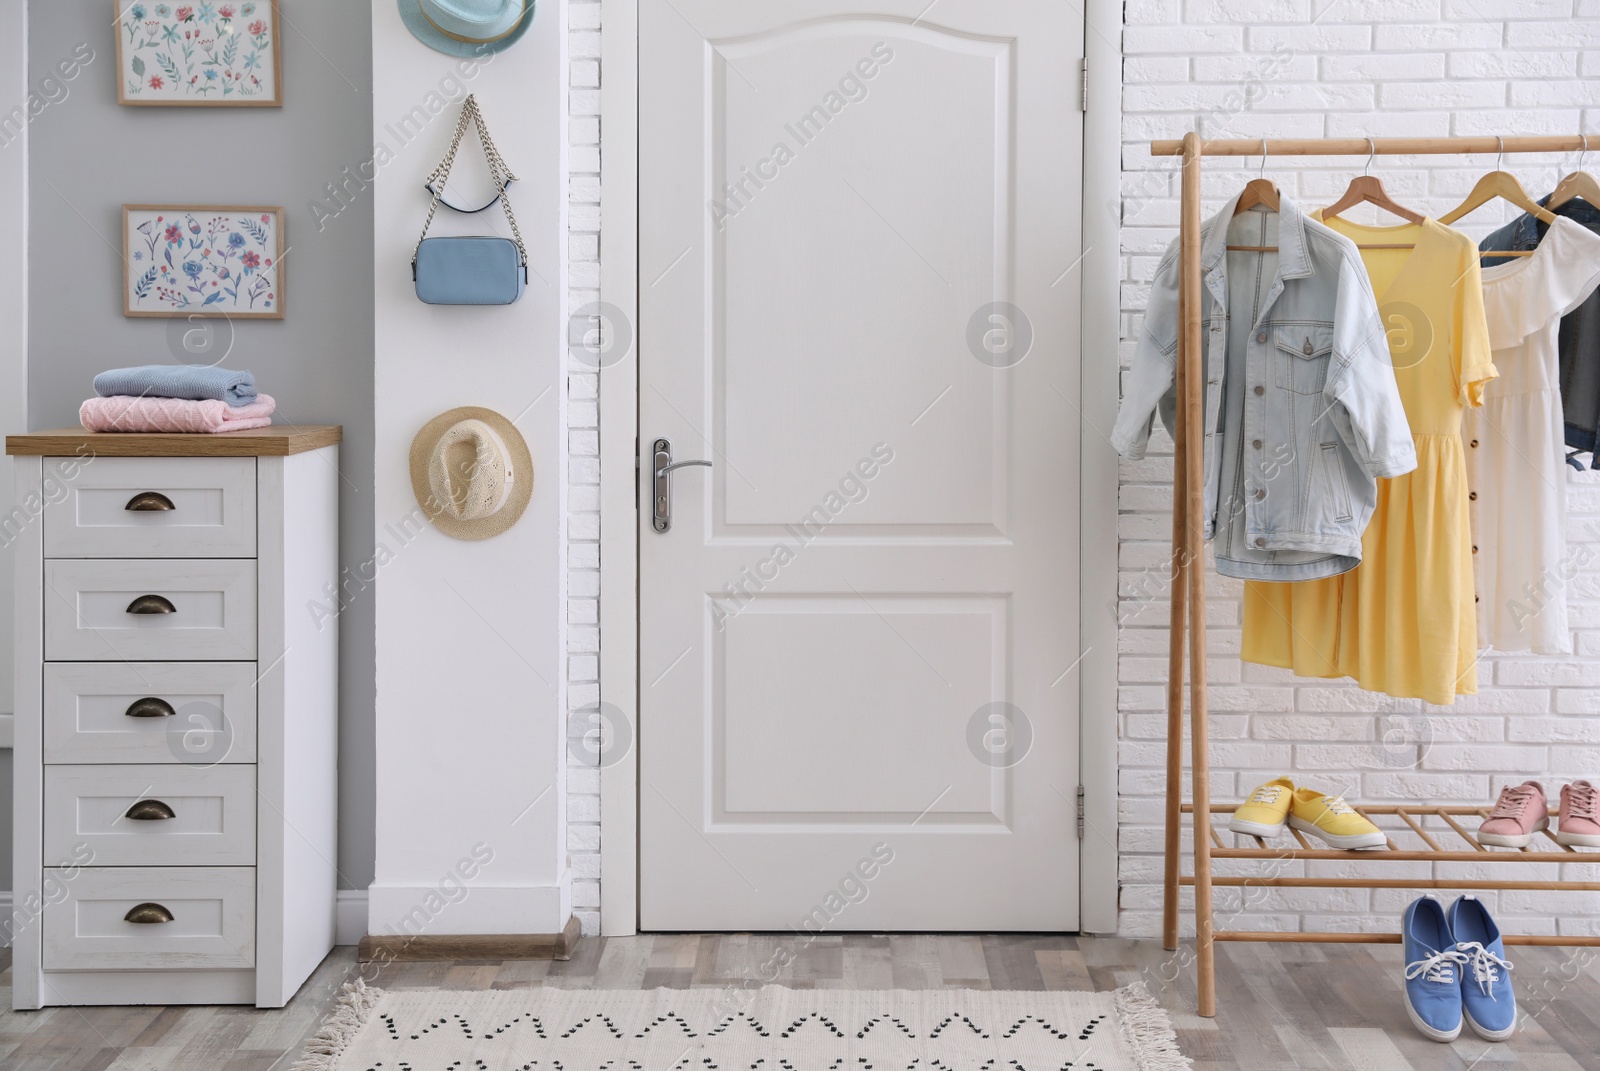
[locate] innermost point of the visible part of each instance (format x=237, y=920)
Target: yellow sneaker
x=1334, y=820
x=1264, y=813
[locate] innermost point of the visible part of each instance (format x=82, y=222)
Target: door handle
x=661, y=497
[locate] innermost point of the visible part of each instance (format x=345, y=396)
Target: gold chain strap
x=499, y=172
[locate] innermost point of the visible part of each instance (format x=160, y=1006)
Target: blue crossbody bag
x=476, y=269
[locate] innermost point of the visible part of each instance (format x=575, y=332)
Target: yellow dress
x=1403, y=621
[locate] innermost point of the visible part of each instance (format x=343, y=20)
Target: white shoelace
x=1439, y=967
x=1267, y=794
x=1485, y=965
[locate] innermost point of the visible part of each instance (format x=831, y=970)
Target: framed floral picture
x=200, y=54
x=205, y=260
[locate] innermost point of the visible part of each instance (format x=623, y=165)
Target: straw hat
x=467, y=27
x=471, y=472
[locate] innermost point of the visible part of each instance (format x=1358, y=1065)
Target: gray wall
x=88, y=156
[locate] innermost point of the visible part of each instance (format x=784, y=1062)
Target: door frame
x=1099, y=273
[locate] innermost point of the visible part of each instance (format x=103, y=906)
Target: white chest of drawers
x=176, y=715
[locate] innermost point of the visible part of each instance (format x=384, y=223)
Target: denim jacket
x=1580, y=330
x=1302, y=414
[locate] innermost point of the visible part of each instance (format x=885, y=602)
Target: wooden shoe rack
x=1426, y=833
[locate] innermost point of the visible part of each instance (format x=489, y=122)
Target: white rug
x=768, y=1029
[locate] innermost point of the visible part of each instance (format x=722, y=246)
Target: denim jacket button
x=1261, y=336
x=1260, y=542
x=1260, y=389
x=1261, y=492
x=1256, y=444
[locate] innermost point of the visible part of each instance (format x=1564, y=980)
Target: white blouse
x=1516, y=471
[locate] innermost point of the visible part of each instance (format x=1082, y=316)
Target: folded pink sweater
x=125, y=413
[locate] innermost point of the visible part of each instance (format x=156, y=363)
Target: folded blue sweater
x=191, y=382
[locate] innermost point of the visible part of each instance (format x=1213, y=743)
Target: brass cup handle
x=150, y=811
x=151, y=604
x=147, y=914
x=150, y=707
x=149, y=502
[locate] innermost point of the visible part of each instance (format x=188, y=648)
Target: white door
x=859, y=224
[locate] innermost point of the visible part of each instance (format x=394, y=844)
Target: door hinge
x=636, y=474
x=1083, y=89
x=1080, y=812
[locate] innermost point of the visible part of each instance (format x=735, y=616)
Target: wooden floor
x=1280, y=1006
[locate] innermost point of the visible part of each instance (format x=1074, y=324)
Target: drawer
x=208, y=918
x=198, y=610
x=151, y=815
x=197, y=713
x=156, y=507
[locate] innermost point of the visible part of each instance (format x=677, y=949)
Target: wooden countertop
x=277, y=441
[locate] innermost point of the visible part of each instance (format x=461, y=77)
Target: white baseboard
x=350, y=918
x=349, y=926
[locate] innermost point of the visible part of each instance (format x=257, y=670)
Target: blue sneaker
x=1491, y=1006
x=1433, y=970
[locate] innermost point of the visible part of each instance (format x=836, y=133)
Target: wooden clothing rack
x=1449, y=840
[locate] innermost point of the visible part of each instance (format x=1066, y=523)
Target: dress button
x=1474, y=444
x=1260, y=389
x=1473, y=495
x=1256, y=444
x=1260, y=542
x=1474, y=548
x=1261, y=336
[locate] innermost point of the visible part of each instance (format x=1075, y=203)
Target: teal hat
x=467, y=27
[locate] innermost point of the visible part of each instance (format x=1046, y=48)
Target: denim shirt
x=1302, y=414
x=1580, y=329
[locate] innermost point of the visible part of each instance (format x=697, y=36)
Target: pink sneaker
x=1580, y=815
x=1520, y=812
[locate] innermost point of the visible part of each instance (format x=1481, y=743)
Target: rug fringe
x=1148, y=1030
x=351, y=1011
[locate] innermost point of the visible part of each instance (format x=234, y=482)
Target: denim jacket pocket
x=1301, y=354
x=1331, y=483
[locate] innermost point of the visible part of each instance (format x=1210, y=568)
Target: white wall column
x=470, y=795
x=13, y=315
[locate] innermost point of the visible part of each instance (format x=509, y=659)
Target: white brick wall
x=583, y=449
x=1314, y=68
x=1250, y=68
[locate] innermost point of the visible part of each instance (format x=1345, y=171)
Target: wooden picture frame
x=203, y=59
x=222, y=261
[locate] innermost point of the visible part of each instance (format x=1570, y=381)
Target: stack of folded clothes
x=176, y=397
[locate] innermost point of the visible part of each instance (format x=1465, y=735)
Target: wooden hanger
x=1258, y=192
x=1366, y=188
x=1506, y=187
x=1579, y=184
